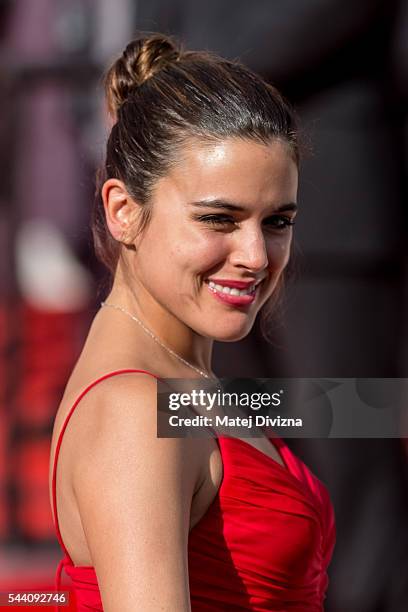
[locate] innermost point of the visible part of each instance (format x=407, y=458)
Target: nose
x=250, y=250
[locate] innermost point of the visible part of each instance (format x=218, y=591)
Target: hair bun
x=142, y=58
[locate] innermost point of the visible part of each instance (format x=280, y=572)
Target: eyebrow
x=224, y=205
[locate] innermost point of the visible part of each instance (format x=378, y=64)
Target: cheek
x=200, y=253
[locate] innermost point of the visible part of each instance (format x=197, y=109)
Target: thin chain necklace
x=156, y=339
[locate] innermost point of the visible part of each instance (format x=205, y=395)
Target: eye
x=217, y=220
x=279, y=222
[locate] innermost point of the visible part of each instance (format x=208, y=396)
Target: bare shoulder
x=121, y=412
x=97, y=403
x=123, y=399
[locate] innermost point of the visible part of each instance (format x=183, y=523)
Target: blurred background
x=344, y=65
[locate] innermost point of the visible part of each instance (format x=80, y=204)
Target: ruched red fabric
x=264, y=543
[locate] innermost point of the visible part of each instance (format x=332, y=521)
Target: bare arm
x=134, y=494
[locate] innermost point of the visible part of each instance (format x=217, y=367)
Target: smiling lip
x=234, y=300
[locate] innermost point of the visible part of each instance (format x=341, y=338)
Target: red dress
x=264, y=543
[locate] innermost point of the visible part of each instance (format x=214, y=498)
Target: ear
x=119, y=209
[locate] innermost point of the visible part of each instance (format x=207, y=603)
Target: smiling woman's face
x=219, y=235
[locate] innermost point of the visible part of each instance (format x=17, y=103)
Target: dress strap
x=57, y=585
x=67, y=559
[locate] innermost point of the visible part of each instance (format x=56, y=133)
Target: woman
x=198, y=200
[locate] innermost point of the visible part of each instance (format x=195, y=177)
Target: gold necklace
x=157, y=340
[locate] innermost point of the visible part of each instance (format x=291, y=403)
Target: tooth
x=232, y=290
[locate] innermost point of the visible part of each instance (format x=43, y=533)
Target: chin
x=230, y=333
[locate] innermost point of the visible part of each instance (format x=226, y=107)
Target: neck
x=170, y=330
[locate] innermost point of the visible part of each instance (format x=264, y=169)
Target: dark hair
x=159, y=96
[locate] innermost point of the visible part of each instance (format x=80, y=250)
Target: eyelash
x=219, y=220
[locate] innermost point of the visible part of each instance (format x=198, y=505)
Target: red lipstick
x=233, y=295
